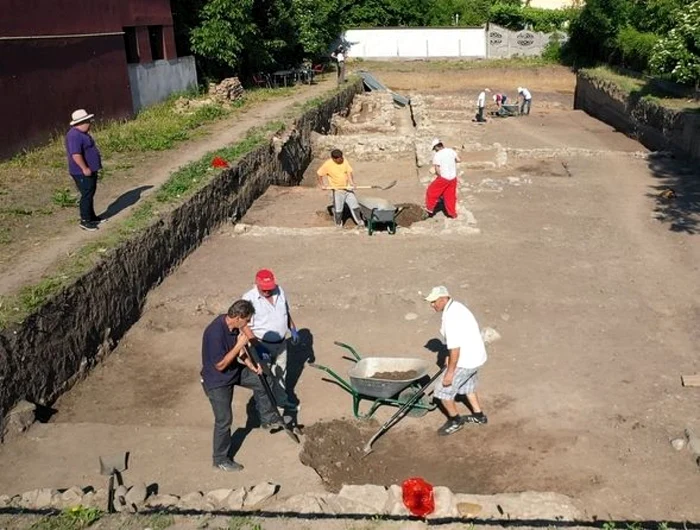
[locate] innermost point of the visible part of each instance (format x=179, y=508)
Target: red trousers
x=447, y=189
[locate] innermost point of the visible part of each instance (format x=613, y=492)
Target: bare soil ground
x=569, y=255
x=41, y=240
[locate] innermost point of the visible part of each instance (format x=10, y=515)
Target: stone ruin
x=230, y=89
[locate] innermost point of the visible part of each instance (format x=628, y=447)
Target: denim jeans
x=87, y=187
x=525, y=107
x=221, y=400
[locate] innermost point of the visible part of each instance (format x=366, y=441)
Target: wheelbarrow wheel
x=414, y=411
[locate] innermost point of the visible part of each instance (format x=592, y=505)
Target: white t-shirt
x=271, y=320
x=460, y=330
x=481, y=100
x=446, y=158
x=340, y=57
x=526, y=93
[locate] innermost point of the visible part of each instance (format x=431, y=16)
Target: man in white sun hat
x=84, y=164
x=467, y=354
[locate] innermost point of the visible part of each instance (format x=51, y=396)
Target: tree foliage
x=677, y=54
x=516, y=17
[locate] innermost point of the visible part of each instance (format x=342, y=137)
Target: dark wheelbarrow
x=379, y=213
x=395, y=393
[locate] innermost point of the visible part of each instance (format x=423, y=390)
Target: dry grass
x=455, y=76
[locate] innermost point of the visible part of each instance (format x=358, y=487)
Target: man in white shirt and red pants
x=467, y=354
x=445, y=183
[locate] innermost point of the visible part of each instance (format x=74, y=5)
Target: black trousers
x=87, y=187
x=221, y=400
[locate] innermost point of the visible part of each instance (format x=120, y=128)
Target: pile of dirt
x=412, y=213
x=395, y=376
x=478, y=459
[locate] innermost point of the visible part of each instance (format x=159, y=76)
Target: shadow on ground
x=677, y=194
x=124, y=201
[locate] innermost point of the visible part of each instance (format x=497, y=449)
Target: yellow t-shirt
x=338, y=174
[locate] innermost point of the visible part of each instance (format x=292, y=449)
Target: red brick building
x=60, y=55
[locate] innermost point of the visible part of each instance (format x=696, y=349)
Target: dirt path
x=50, y=239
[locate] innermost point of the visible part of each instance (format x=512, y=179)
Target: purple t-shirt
x=78, y=142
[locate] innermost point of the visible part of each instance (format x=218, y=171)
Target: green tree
x=319, y=24
x=226, y=27
x=471, y=12
x=594, y=31
x=677, y=54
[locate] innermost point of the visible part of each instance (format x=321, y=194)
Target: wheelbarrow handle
x=342, y=382
x=401, y=412
x=348, y=347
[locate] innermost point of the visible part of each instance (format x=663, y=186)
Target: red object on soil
x=219, y=162
x=418, y=496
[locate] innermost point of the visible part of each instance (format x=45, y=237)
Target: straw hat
x=80, y=116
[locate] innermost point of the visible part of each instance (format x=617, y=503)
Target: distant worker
x=341, y=183
x=467, y=353
x=339, y=56
x=500, y=100
x=481, y=104
x=445, y=183
x=84, y=164
x=524, y=93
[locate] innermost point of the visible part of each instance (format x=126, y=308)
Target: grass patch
x=69, y=519
x=243, y=523
x=646, y=88
x=64, y=198
x=453, y=64
x=157, y=521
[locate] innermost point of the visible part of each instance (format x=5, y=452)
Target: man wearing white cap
x=481, y=105
x=467, y=354
x=84, y=163
x=526, y=102
x=445, y=183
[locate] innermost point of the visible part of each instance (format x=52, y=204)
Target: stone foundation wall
x=62, y=340
x=658, y=128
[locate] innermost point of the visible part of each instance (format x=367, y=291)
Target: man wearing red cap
x=268, y=328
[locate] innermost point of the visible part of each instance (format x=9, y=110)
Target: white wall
x=416, y=42
x=154, y=82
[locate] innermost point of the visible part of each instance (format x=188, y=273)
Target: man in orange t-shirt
x=340, y=181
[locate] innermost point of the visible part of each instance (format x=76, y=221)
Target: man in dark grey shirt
x=223, y=346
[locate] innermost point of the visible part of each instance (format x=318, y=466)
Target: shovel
x=113, y=466
x=400, y=413
x=270, y=395
x=371, y=187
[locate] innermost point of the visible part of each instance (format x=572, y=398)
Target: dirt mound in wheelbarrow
x=498, y=458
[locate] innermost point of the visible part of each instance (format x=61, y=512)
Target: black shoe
x=90, y=227
x=229, y=465
x=451, y=426
x=480, y=419
x=100, y=220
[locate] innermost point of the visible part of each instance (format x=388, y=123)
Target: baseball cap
x=437, y=292
x=435, y=142
x=265, y=280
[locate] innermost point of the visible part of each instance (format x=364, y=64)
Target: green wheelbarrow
x=365, y=385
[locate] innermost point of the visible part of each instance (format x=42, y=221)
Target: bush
x=635, y=48
x=594, y=31
x=553, y=50
x=515, y=17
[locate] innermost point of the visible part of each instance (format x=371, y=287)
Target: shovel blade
x=114, y=463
